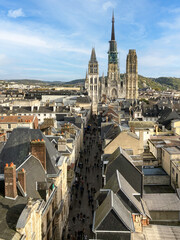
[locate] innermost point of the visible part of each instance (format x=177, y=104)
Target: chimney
x=141, y=135
x=163, y=128
x=22, y=179
x=10, y=181
x=62, y=145
x=38, y=149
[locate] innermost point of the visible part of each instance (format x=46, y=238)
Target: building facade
x=113, y=86
x=92, y=81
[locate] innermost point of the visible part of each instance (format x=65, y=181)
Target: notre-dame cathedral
x=113, y=86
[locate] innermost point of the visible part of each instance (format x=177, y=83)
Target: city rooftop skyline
x=52, y=40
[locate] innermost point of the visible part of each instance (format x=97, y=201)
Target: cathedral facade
x=113, y=86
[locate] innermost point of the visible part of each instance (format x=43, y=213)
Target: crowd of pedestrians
x=87, y=182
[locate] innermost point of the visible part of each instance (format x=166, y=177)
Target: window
x=91, y=80
x=95, y=88
x=91, y=87
x=172, y=170
x=176, y=177
x=95, y=80
x=9, y=125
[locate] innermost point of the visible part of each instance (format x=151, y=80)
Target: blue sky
x=52, y=39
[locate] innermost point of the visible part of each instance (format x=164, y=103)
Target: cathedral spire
x=93, y=56
x=113, y=32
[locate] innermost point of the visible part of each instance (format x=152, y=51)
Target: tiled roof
x=16, y=119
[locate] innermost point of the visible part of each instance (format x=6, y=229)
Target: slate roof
x=83, y=100
x=112, y=203
x=10, y=212
x=17, y=149
x=113, y=132
x=114, y=235
x=105, y=129
x=110, y=131
x=34, y=173
x=118, y=183
x=41, y=109
x=167, y=115
x=121, y=161
x=77, y=121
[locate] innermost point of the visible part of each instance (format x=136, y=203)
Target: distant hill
x=159, y=84
x=76, y=82
x=25, y=81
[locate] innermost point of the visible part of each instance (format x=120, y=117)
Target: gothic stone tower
x=115, y=87
x=92, y=81
x=131, y=75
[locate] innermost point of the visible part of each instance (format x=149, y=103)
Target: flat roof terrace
x=148, y=171
x=172, y=150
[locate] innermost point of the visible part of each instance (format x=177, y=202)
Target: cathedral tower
x=131, y=75
x=114, y=83
x=92, y=81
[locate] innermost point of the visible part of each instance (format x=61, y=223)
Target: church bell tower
x=92, y=81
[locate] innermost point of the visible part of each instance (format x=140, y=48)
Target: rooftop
x=141, y=124
x=153, y=171
x=162, y=202
x=172, y=150
x=10, y=212
x=16, y=119
x=161, y=232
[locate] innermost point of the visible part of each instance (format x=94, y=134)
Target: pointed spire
x=112, y=33
x=93, y=56
x=86, y=74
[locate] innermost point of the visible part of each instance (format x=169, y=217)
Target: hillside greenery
x=159, y=84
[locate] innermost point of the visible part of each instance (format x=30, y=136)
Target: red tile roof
x=16, y=119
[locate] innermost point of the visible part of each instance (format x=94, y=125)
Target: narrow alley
x=88, y=181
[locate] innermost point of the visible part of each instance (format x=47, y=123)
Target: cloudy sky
x=52, y=39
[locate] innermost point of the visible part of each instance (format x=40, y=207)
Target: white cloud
x=19, y=38
x=107, y=5
x=16, y=13
x=174, y=10
x=172, y=25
